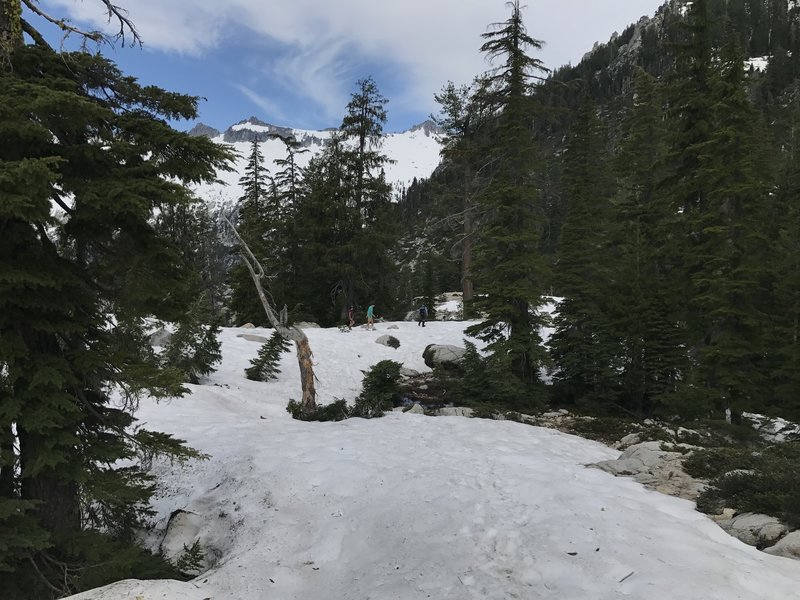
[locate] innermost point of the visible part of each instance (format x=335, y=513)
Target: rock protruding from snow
x=788, y=546
x=253, y=338
x=183, y=531
x=756, y=530
x=160, y=337
x=655, y=468
x=442, y=355
x=453, y=411
x=416, y=409
x=388, y=340
x=306, y=325
x=247, y=326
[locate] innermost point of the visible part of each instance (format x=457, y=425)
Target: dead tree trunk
x=308, y=403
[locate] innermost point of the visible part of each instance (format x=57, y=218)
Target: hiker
x=371, y=316
x=423, y=314
x=351, y=316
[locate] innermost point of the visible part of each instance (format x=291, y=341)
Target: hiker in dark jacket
x=423, y=314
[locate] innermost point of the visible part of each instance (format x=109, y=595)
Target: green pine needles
x=87, y=160
x=265, y=366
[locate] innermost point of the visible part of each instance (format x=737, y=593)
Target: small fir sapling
x=265, y=366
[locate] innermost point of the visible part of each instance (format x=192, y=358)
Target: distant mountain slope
x=414, y=153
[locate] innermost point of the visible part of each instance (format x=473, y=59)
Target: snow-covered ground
x=414, y=507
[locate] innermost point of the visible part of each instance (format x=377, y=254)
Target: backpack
x=423, y=311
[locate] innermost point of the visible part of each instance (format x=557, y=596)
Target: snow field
x=408, y=506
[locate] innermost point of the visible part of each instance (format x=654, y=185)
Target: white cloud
x=265, y=104
x=425, y=42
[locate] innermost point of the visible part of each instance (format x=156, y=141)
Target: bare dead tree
x=280, y=322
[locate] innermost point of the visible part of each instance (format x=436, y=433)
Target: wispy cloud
x=317, y=48
x=273, y=111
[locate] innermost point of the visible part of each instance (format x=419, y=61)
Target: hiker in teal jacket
x=371, y=316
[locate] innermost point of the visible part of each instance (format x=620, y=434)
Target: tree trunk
x=7, y=461
x=466, y=248
x=10, y=29
x=304, y=354
x=58, y=506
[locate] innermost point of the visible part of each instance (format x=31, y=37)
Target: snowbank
x=409, y=506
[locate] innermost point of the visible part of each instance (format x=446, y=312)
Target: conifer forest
x=650, y=193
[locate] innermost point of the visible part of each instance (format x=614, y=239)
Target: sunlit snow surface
x=409, y=507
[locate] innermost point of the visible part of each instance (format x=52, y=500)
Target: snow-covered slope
x=414, y=153
x=415, y=507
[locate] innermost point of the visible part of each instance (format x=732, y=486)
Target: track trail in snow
x=411, y=507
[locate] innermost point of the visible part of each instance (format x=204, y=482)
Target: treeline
x=663, y=208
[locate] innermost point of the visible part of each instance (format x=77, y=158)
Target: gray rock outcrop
x=160, y=337
x=448, y=357
x=756, y=530
x=201, y=129
x=788, y=546
x=388, y=340
x=253, y=338
x=656, y=469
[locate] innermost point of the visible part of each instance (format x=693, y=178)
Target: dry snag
x=280, y=322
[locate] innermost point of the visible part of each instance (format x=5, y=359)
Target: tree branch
x=112, y=12
x=35, y=35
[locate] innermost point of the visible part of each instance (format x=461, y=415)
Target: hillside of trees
x=652, y=189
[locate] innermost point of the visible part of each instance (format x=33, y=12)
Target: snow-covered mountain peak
x=413, y=153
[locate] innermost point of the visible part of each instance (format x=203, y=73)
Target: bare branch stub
x=113, y=13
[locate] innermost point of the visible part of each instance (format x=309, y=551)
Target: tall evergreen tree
x=369, y=269
x=582, y=344
x=733, y=271
x=651, y=351
x=258, y=216
x=717, y=195
x=363, y=125
x=510, y=273
x=462, y=119
x=87, y=159
x=785, y=338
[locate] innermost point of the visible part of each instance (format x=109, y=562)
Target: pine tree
x=369, y=270
x=363, y=125
x=258, y=217
x=732, y=270
x=265, y=366
x=583, y=346
x=715, y=234
x=194, y=348
x=462, y=119
x=511, y=275
x=324, y=230
x=650, y=337
x=785, y=338
x=86, y=159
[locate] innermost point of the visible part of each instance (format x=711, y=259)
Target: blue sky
x=295, y=62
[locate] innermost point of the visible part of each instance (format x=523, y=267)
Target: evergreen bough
x=87, y=159
x=265, y=366
x=194, y=348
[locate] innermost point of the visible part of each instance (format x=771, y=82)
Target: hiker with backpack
x=423, y=314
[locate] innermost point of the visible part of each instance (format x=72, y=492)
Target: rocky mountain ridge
x=413, y=154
